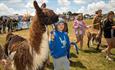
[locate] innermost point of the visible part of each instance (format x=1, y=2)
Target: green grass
x=88, y=59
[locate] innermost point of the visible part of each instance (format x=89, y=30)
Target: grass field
x=88, y=59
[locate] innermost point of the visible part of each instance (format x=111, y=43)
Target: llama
x=95, y=37
x=4, y=63
x=2, y=54
x=32, y=54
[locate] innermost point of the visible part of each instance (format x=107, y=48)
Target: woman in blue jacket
x=59, y=44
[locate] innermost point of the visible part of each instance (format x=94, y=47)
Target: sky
x=9, y=7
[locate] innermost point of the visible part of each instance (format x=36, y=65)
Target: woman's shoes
x=109, y=58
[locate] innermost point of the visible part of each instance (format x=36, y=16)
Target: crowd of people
x=9, y=24
x=59, y=42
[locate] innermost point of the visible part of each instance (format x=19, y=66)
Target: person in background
x=59, y=44
x=1, y=23
x=97, y=19
x=72, y=42
x=79, y=28
x=97, y=26
x=4, y=24
x=108, y=25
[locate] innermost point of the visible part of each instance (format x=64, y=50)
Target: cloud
x=15, y=1
x=30, y=3
x=84, y=6
x=92, y=7
x=79, y=1
x=14, y=4
x=4, y=10
x=110, y=5
x=64, y=2
x=81, y=10
x=8, y=7
x=64, y=6
x=61, y=10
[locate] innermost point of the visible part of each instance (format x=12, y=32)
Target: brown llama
x=31, y=54
x=4, y=63
x=2, y=54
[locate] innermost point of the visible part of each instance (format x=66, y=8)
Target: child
x=108, y=25
x=59, y=44
x=79, y=28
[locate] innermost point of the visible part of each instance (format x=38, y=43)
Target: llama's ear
x=43, y=5
x=36, y=6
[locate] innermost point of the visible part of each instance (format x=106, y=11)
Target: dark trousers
x=4, y=28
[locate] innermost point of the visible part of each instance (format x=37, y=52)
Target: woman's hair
x=110, y=13
x=98, y=11
x=79, y=16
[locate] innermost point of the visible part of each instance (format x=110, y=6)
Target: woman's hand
x=113, y=27
x=89, y=26
x=52, y=36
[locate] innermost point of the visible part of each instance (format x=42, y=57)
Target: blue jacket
x=56, y=47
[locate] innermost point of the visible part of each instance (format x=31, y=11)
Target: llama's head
x=47, y=16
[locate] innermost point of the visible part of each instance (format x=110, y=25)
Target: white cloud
x=4, y=10
x=110, y=5
x=64, y=6
x=91, y=8
x=79, y=1
x=44, y=1
x=64, y=2
x=61, y=10
x=15, y=1
x=30, y=3
x=81, y=10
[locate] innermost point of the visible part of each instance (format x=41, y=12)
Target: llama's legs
x=0, y=29
x=4, y=28
x=92, y=41
x=76, y=47
x=99, y=43
x=88, y=42
x=89, y=38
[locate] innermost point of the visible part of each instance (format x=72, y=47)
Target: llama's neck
x=36, y=32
